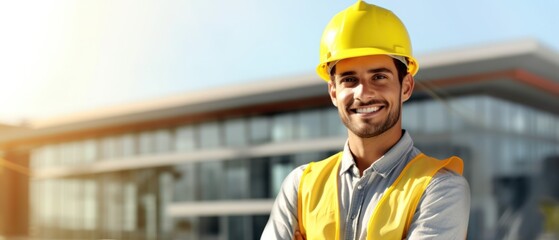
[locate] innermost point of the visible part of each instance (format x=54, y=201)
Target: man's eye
x=379, y=76
x=348, y=80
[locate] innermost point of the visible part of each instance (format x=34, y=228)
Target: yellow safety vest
x=318, y=208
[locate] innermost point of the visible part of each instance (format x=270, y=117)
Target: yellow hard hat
x=364, y=29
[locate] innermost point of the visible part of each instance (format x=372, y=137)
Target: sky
x=59, y=57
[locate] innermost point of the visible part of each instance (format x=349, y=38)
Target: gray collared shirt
x=442, y=213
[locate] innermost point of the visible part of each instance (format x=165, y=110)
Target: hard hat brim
x=323, y=70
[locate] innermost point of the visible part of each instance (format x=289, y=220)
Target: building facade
x=207, y=165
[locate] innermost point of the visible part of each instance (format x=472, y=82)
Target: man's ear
x=332, y=92
x=407, y=87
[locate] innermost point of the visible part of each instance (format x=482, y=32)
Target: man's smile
x=370, y=109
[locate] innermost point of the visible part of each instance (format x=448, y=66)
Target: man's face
x=368, y=94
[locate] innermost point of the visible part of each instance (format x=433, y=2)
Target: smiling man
x=380, y=186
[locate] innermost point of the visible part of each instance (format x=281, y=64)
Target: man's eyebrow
x=348, y=73
x=378, y=70
x=374, y=70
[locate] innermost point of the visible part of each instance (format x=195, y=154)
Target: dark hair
x=402, y=70
x=400, y=67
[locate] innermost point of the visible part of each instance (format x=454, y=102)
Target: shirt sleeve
x=283, y=217
x=444, y=209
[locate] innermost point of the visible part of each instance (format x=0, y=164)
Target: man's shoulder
x=446, y=179
x=446, y=176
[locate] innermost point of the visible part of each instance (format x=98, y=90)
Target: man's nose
x=363, y=92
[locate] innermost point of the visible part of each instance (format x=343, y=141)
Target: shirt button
x=359, y=187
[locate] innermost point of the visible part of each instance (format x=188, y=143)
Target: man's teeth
x=368, y=109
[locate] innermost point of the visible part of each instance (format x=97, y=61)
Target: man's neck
x=366, y=151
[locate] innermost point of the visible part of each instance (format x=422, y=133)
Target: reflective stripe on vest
x=318, y=207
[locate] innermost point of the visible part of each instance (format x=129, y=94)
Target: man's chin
x=365, y=132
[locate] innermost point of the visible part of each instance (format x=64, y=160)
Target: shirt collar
x=385, y=164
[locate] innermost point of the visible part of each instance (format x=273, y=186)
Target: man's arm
x=443, y=210
x=283, y=218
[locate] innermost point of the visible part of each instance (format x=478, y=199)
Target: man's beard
x=373, y=130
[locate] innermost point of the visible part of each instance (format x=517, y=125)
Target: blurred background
x=180, y=119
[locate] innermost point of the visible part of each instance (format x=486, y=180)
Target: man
x=380, y=186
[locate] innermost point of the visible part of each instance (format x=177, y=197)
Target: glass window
x=456, y=114
x=67, y=154
x=149, y=206
x=55, y=207
x=283, y=128
x=411, y=116
x=185, y=182
x=544, y=149
x=259, y=130
x=534, y=129
x=62, y=154
x=146, y=145
x=77, y=149
x=436, y=116
x=499, y=114
x=163, y=141
x=487, y=147
x=211, y=180
x=259, y=177
x=334, y=126
x=310, y=124
x=544, y=124
x=112, y=205
x=464, y=112
x=36, y=158
x=236, y=179
x=557, y=128
x=76, y=154
x=110, y=147
x=521, y=153
x=209, y=228
x=185, y=139
x=165, y=198
x=90, y=210
x=72, y=211
x=238, y=226
x=147, y=209
x=209, y=135
x=519, y=122
x=488, y=111
x=51, y=156
x=89, y=151
x=281, y=167
x=46, y=203
x=128, y=142
x=130, y=202
x=235, y=132
x=504, y=114
x=509, y=157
